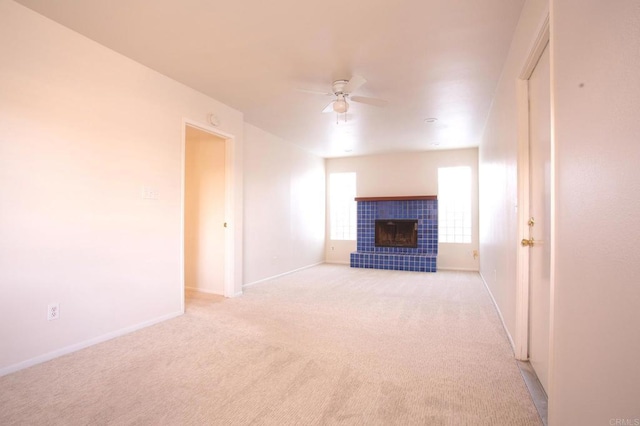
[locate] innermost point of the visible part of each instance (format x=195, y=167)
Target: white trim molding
x=230, y=186
x=495, y=305
x=281, y=275
x=85, y=344
x=521, y=347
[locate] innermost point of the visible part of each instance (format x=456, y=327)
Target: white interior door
x=540, y=213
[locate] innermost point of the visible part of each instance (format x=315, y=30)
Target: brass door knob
x=527, y=243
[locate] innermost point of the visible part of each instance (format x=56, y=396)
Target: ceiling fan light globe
x=340, y=106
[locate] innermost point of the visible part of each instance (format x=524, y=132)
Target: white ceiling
x=427, y=58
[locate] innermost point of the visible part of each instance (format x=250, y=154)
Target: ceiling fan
x=342, y=90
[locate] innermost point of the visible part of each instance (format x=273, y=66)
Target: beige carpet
x=327, y=345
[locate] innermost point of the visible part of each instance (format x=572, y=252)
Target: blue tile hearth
x=397, y=262
x=421, y=258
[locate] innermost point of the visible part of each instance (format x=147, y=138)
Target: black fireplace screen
x=396, y=233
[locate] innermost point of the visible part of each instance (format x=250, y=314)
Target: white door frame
x=229, y=249
x=521, y=340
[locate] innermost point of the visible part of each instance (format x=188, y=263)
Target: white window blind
x=454, y=205
x=342, y=206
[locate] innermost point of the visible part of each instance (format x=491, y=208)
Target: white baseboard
x=281, y=275
x=338, y=262
x=495, y=305
x=76, y=347
x=457, y=269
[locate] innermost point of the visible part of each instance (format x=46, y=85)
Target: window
x=454, y=205
x=342, y=206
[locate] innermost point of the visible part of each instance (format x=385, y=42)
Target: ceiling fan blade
x=328, y=108
x=369, y=101
x=315, y=92
x=353, y=84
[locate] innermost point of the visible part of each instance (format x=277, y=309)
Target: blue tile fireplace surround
x=380, y=252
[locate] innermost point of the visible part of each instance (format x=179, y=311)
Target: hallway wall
x=595, y=90
x=596, y=338
x=498, y=160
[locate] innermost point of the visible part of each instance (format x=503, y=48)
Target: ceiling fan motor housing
x=342, y=90
x=338, y=86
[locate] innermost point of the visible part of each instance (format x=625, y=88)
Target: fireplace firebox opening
x=396, y=233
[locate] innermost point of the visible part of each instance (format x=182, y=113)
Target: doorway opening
x=207, y=258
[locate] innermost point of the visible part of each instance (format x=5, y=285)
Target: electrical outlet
x=53, y=311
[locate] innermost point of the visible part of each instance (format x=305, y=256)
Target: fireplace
x=396, y=233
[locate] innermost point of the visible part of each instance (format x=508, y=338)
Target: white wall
x=411, y=173
x=596, y=336
x=284, y=206
x=498, y=156
x=204, y=212
x=82, y=130
x=595, y=90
